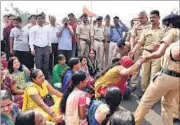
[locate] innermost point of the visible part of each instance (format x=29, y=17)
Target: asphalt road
x=153, y=117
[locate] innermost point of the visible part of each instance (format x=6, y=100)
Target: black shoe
x=133, y=89
x=176, y=120
x=141, y=95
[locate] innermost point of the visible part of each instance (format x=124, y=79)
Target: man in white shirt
x=31, y=23
x=65, y=35
x=40, y=45
x=19, y=45
x=54, y=41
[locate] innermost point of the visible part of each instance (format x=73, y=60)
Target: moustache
x=152, y=20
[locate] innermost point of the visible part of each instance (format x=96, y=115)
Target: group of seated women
x=27, y=93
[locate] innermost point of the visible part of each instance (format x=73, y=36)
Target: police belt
x=151, y=51
x=98, y=40
x=84, y=39
x=114, y=41
x=170, y=72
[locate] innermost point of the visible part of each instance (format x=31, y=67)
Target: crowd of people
x=78, y=72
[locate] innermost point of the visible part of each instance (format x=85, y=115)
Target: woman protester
x=9, y=110
x=75, y=100
x=42, y=97
x=115, y=75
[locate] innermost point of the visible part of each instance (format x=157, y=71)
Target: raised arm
x=131, y=70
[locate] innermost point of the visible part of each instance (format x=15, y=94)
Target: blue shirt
x=67, y=80
x=65, y=40
x=114, y=35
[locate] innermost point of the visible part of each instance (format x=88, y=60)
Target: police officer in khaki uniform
x=137, y=30
x=135, y=35
x=150, y=40
x=107, y=27
x=98, y=39
x=83, y=36
x=166, y=83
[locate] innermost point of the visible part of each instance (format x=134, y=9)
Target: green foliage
x=17, y=12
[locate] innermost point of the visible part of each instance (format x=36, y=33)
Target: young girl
x=84, y=68
x=58, y=70
x=92, y=63
x=74, y=101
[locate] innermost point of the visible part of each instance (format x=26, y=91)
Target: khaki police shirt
x=151, y=37
x=98, y=32
x=171, y=35
x=168, y=62
x=138, y=28
x=83, y=31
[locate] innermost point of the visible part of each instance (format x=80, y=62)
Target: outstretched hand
x=143, y=60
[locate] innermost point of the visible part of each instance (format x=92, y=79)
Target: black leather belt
x=170, y=72
x=98, y=40
x=84, y=39
x=114, y=41
x=151, y=51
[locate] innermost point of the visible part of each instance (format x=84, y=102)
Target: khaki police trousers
x=167, y=87
x=99, y=47
x=112, y=46
x=135, y=77
x=149, y=69
x=84, y=48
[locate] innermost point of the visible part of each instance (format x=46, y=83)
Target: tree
x=17, y=12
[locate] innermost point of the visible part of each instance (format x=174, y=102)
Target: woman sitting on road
x=115, y=75
x=42, y=97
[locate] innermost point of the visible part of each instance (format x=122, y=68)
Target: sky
x=126, y=10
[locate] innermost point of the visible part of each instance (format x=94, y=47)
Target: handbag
x=48, y=100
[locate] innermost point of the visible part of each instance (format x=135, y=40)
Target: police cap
x=174, y=19
x=171, y=17
x=107, y=17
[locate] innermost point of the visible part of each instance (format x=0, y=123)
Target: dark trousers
x=5, y=47
x=42, y=59
x=66, y=53
x=25, y=58
x=53, y=56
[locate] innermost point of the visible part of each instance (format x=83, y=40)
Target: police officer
x=83, y=36
x=150, y=40
x=98, y=39
x=135, y=35
x=107, y=27
x=166, y=83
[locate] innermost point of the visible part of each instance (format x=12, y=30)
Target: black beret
x=99, y=18
x=121, y=43
x=107, y=17
x=171, y=17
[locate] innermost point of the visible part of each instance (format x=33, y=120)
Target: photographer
x=65, y=35
x=116, y=34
